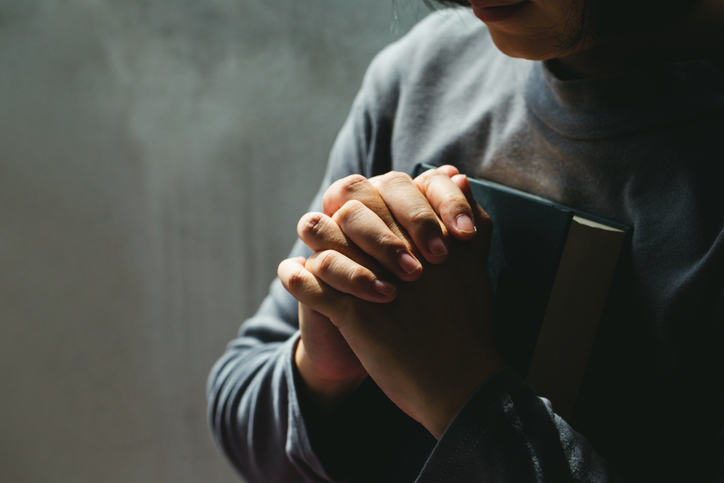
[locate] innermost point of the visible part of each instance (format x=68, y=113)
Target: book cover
x=550, y=268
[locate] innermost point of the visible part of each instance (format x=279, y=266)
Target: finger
x=413, y=212
x=482, y=220
x=366, y=230
x=312, y=292
x=449, y=170
x=402, y=262
x=449, y=202
x=320, y=232
x=357, y=187
x=344, y=275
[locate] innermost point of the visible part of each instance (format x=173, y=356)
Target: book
x=550, y=268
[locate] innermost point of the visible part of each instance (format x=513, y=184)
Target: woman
x=612, y=109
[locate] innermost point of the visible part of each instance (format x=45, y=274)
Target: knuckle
x=358, y=275
x=354, y=206
x=324, y=262
x=429, y=184
x=453, y=198
x=352, y=184
x=395, y=177
x=295, y=281
x=447, y=197
x=343, y=190
x=388, y=240
x=449, y=170
x=424, y=221
x=423, y=217
x=349, y=211
x=310, y=225
x=424, y=178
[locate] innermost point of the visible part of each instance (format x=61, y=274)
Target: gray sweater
x=643, y=149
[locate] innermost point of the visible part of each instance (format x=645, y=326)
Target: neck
x=699, y=36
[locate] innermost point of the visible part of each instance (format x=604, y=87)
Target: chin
x=529, y=48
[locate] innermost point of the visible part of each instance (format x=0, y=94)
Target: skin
x=430, y=345
x=396, y=289
x=537, y=31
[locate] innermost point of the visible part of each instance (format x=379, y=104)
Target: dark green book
x=550, y=268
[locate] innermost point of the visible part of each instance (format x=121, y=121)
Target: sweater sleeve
x=252, y=397
x=506, y=433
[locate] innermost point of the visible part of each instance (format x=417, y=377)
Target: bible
x=550, y=268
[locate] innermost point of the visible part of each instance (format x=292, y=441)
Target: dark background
x=155, y=156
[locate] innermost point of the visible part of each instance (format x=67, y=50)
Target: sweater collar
x=622, y=104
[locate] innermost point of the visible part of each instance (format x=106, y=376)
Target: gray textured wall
x=154, y=158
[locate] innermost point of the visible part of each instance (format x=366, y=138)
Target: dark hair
x=602, y=19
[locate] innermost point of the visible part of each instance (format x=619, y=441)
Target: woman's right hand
x=330, y=369
x=431, y=346
x=374, y=234
x=328, y=366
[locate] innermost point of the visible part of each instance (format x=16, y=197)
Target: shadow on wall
x=154, y=158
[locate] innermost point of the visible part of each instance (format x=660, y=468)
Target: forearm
x=252, y=399
x=325, y=394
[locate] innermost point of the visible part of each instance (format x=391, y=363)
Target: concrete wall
x=154, y=158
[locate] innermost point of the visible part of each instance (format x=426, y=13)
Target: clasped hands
x=396, y=289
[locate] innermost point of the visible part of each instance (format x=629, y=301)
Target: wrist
x=325, y=391
x=441, y=415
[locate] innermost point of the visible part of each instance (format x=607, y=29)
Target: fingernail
x=465, y=224
x=437, y=246
x=385, y=288
x=408, y=264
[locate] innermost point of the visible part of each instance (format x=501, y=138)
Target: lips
x=488, y=11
